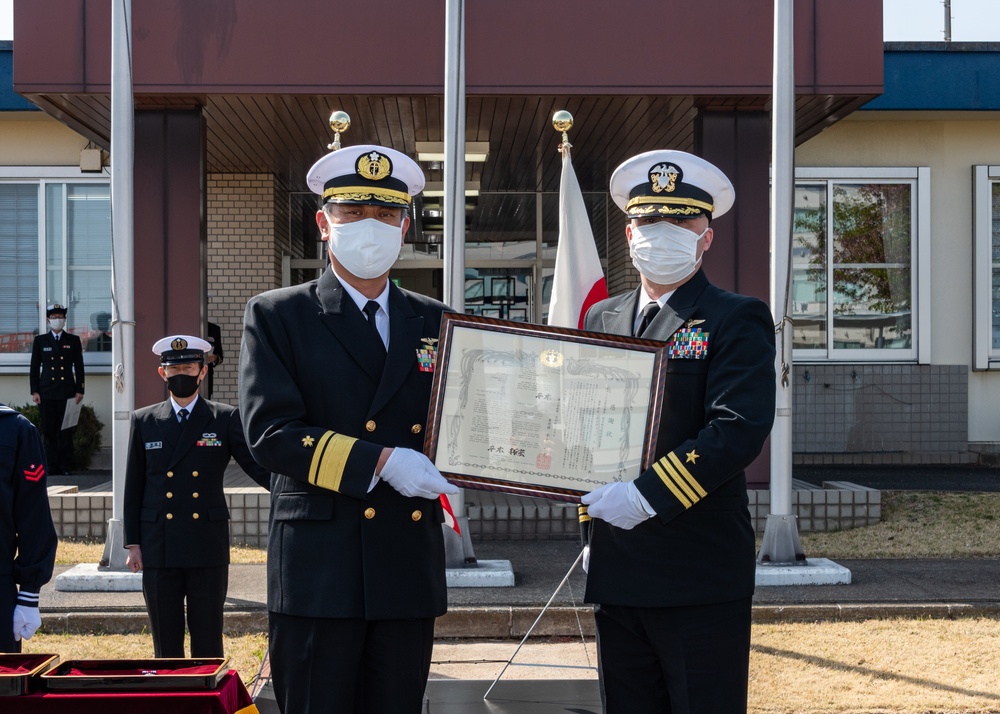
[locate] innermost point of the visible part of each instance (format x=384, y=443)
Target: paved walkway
x=880, y=588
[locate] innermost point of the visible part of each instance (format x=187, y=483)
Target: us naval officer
x=672, y=563
x=335, y=382
x=175, y=514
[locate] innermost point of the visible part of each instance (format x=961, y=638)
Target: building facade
x=229, y=116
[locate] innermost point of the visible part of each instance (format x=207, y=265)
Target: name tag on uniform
x=154, y=445
x=208, y=440
x=46, y=349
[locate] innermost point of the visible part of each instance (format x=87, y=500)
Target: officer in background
x=335, y=400
x=175, y=515
x=55, y=376
x=27, y=536
x=672, y=562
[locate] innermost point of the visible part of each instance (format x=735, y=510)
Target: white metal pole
x=781, y=539
x=457, y=553
x=454, y=155
x=122, y=282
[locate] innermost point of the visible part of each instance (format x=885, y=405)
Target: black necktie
x=648, y=313
x=182, y=415
x=370, y=309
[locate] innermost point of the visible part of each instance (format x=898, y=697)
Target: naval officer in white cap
x=175, y=514
x=335, y=381
x=672, y=563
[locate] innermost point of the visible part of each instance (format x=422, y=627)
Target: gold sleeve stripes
x=329, y=460
x=679, y=480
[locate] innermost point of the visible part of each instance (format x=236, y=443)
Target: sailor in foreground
x=175, y=515
x=671, y=563
x=335, y=383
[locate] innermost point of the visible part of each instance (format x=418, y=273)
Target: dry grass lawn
x=875, y=667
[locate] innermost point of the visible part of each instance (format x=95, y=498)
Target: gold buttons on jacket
x=195, y=474
x=416, y=428
x=416, y=515
x=194, y=516
x=169, y=494
x=369, y=513
x=170, y=516
x=194, y=495
x=170, y=474
x=370, y=425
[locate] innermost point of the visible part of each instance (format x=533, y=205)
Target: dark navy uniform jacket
x=56, y=366
x=318, y=408
x=175, y=507
x=717, y=412
x=27, y=537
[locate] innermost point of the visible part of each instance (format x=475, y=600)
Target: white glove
x=412, y=474
x=619, y=503
x=26, y=621
x=586, y=558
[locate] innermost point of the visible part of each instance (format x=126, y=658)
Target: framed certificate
x=542, y=411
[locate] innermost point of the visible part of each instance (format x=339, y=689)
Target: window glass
x=853, y=291
x=72, y=243
x=809, y=267
x=871, y=266
x=18, y=266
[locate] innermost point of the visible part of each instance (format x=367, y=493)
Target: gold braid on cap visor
x=364, y=193
x=693, y=205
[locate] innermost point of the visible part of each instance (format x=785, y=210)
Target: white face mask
x=366, y=248
x=57, y=323
x=664, y=252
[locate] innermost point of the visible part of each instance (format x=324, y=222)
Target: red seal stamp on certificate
x=543, y=462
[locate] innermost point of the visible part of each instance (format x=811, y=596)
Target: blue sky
x=972, y=20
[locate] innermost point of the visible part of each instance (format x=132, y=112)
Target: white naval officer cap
x=366, y=174
x=673, y=183
x=180, y=349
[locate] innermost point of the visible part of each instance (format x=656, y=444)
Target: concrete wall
x=36, y=139
x=950, y=143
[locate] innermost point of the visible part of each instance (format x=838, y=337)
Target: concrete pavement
x=880, y=588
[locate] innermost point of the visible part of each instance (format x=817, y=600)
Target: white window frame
x=41, y=177
x=985, y=356
x=920, y=178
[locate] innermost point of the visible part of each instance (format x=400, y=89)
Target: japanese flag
x=449, y=515
x=578, y=280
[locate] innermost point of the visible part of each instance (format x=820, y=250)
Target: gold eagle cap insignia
x=664, y=177
x=374, y=166
x=179, y=344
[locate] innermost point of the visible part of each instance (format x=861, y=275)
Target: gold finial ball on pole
x=339, y=122
x=562, y=121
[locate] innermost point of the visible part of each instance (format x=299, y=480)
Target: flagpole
x=781, y=545
x=458, y=550
x=122, y=272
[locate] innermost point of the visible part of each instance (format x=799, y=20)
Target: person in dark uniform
x=335, y=401
x=56, y=376
x=671, y=562
x=175, y=515
x=27, y=537
x=214, y=358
